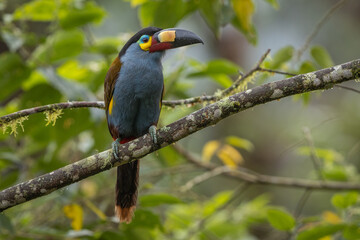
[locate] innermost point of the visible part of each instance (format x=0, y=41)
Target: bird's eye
x=144, y=39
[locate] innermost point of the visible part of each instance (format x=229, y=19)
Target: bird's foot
x=152, y=132
x=115, y=147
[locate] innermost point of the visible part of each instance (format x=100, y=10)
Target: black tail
x=126, y=190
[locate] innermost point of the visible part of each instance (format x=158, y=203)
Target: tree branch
x=253, y=177
x=205, y=117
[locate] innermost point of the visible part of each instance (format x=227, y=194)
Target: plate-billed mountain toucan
x=133, y=91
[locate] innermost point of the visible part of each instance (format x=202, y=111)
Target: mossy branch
x=204, y=117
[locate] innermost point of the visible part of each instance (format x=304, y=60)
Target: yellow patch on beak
x=167, y=36
x=111, y=105
x=147, y=45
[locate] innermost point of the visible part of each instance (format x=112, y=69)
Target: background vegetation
x=57, y=51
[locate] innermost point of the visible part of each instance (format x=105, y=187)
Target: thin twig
x=241, y=78
x=300, y=206
x=203, y=177
x=347, y=88
x=313, y=155
x=275, y=71
x=50, y=107
x=257, y=178
x=318, y=27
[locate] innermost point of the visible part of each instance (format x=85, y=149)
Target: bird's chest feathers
x=142, y=74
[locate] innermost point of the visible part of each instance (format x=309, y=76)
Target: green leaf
x=145, y=219
x=218, y=70
x=8, y=179
x=273, y=3
x=336, y=173
x=244, y=11
x=74, y=71
x=352, y=232
x=306, y=66
x=240, y=143
x=280, y=219
x=168, y=156
x=110, y=235
x=222, y=79
x=222, y=66
x=327, y=155
x=281, y=56
x=216, y=67
x=13, y=71
x=38, y=10
x=346, y=200
x=242, y=20
x=225, y=230
x=320, y=231
x=321, y=56
x=6, y=226
x=62, y=44
x=217, y=201
x=30, y=98
x=210, y=10
x=90, y=13
x=164, y=13
x=106, y=46
x=158, y=199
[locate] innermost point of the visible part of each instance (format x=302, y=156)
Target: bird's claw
x=115, y=147
x=152, y=132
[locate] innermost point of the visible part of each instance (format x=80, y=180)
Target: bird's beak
x=173, y=38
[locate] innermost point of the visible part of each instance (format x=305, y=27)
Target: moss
x=132, y=146
x=165, y=129
x=14, y=124
x=225, y=103
x=309, y=78
x=356, y=73
x=52, y=116
x=107, y=160
x=88, y=162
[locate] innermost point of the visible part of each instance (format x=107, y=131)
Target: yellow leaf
x=75, y=213
x=244, y=9
x=240, y=143
x=326, y=238
x=209, y=150
x=331, y=217
x=230, y=156
x=135, y=3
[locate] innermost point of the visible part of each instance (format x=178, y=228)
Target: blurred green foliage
x=51, y=56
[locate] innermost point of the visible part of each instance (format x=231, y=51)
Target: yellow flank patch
x=147, y=45
x=167, y=36
x=111, y=105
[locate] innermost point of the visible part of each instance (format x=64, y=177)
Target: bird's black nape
x=145, y=31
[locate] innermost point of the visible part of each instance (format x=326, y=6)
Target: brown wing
x=110, y=81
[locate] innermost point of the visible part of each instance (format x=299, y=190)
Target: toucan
x=133, y=91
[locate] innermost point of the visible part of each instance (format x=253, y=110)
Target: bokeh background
x=56, y=51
